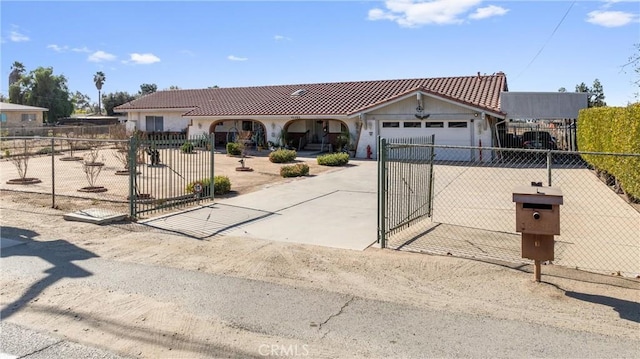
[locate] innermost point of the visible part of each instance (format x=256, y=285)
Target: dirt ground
x=448, y=284
x=69, y=178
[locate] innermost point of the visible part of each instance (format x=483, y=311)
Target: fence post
x=432, y=156
x=211, y=164
x=382, y=148
x=53, y=174
x=133, y=163
x=549, y=159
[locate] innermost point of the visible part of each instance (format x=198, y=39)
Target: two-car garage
x=447, y=133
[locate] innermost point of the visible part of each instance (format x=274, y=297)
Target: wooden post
x=537, y=271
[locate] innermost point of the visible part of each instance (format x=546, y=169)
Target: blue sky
x=540, y=45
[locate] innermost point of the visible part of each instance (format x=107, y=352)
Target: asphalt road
x=322, y=319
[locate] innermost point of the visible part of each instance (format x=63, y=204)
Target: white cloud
x=101, y=56
x=489, y=11
x=57, y=48
x=415, y=13
x=236, y=58
x=143, y=59
x=188, y=53
x=281, y=38
x=611, y=18
x=81, y=49
x=15, y=36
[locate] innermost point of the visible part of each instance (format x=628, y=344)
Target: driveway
x=336, y=209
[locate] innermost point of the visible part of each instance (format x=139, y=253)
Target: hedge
x=297, y=170
x=333, y=159
x=221, y=185
x=234, y=149
x=613, y=130
x=282, y=156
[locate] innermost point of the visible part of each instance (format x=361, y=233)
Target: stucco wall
x=478, y=132
x=172, y=121
x=14, y=119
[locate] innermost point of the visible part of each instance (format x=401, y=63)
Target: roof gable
x=338, y=98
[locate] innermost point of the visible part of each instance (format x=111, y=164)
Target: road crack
x=344, y=306
x=40, y=350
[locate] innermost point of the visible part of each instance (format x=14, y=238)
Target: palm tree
x=99, y=79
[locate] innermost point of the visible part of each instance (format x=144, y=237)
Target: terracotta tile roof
x=339, y=98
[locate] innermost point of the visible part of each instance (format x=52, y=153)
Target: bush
x=234, y=149
x=187, y=147
x=333, y=159
x=297, y=170
x=221, y=185
x=282, y=156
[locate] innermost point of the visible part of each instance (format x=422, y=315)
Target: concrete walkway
x=336, y=209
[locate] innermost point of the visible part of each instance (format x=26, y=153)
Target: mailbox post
x=538, y=219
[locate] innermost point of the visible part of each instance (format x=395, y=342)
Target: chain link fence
x=69, y=173
x=474, y=214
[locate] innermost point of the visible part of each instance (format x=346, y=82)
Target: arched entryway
x=323, y=134
x=252, y=133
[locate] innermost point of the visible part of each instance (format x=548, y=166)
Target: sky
x=539, y=45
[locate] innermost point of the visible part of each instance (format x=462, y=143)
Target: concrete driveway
x=336, y=209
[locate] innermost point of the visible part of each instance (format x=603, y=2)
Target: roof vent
x=298, y=93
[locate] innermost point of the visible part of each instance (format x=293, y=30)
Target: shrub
x=334, y=159
x=233, y=148
x=297, y=170
x=221, y=185
x=187, y=147
x=282, y=156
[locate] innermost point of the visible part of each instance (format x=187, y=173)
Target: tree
x=634, y=63
x=99, y=78
x=174, y=87
x=17, y=70
x=562, y=89
x=116, y=99
x=596, y=93
x=146, y=89
x=81, y=102
x=42, y=88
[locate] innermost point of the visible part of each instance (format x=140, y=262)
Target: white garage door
x=452, y=133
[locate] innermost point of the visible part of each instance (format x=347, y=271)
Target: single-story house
x=17, y=119
x=460, y=111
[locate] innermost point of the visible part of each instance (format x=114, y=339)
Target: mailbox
x=538, y=219
x=538, y=210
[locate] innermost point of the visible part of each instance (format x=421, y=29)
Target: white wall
x=476, y=132
x=172, y=120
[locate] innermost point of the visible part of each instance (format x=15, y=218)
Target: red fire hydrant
x=369, y=152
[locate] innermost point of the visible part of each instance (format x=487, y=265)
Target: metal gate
x=168, y=171
x=405, y=183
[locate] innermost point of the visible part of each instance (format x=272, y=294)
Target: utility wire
x=549, y=39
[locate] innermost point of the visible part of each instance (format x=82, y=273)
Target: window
x=434, y=124
x=413, y=124
x=154, y=123
x=455, y=124
x=247, y=126
x=390, y=124
x=3, y=117
x=26, y=117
